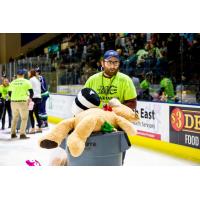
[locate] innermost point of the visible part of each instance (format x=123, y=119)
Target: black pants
x=35, y=110
x=7, y=107
x=1, y=107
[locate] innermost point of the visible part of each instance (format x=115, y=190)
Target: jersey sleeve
x=142, y=85
x=129, y=90
x=162, y=84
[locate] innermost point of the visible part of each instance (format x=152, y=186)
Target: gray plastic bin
x=102, y=149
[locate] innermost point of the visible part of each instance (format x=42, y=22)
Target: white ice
x=15, y=152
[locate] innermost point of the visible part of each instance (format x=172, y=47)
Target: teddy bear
x=88, y=121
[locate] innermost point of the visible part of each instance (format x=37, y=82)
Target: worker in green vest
x=21, y=93
x=7, y=107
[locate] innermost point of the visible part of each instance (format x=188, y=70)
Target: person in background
x=44, y=95
x=136, y=80
x=1, y=103
x=145, y=87
x=21, y=92
x=166, y=89
x=37, y=101
x=7, y=106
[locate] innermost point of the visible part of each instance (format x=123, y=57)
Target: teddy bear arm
x=76, y=140
x=86, y=126
x=125, y=125
x=57, y=134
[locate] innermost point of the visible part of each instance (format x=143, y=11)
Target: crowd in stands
x=175, y=55
x=140, y=53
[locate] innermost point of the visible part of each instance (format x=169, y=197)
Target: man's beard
x=110, y=73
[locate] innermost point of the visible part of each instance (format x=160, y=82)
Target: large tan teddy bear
x=87, y=122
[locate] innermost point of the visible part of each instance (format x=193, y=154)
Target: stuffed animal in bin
x=88, y=119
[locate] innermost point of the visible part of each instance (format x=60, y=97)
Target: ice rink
x=15, y=152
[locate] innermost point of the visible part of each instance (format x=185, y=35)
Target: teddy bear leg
x=76, y=144
x=126, y=126
x=57, y=134
x=76, y=140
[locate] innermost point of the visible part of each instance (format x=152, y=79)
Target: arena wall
x=168, y=128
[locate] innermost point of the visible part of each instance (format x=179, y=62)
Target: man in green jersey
x=110, y=83
x=20, y=90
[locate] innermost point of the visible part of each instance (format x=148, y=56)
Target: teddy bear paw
x=76, y=145
x=48, y=144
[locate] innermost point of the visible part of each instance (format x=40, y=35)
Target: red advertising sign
x=185, y=126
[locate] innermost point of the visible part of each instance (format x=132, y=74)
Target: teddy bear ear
x=114, y=102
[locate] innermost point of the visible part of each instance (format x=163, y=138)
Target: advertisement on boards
x=153, y=120
x=185, y=126
x=60, y=106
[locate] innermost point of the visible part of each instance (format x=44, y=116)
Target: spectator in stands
x=130, y=62
x=117, y=41
x=7, y=106
x=44, y=95
x=135, y=79
x=36, y=85
x=145, y=88
x=122, y=60
x=99, y=67
x=153, y=51
x=141, y=54
x=166, y=89
x=21, y=92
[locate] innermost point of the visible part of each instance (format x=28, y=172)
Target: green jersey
x=119, y=86
x=4, y=92
x=145, y=84
x=19, y=88
x=166, y=83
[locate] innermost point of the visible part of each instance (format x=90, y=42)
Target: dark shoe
x=13, y=136
x=2, y=128
x=24, y=137
x=43, y=126
x=9, y=126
